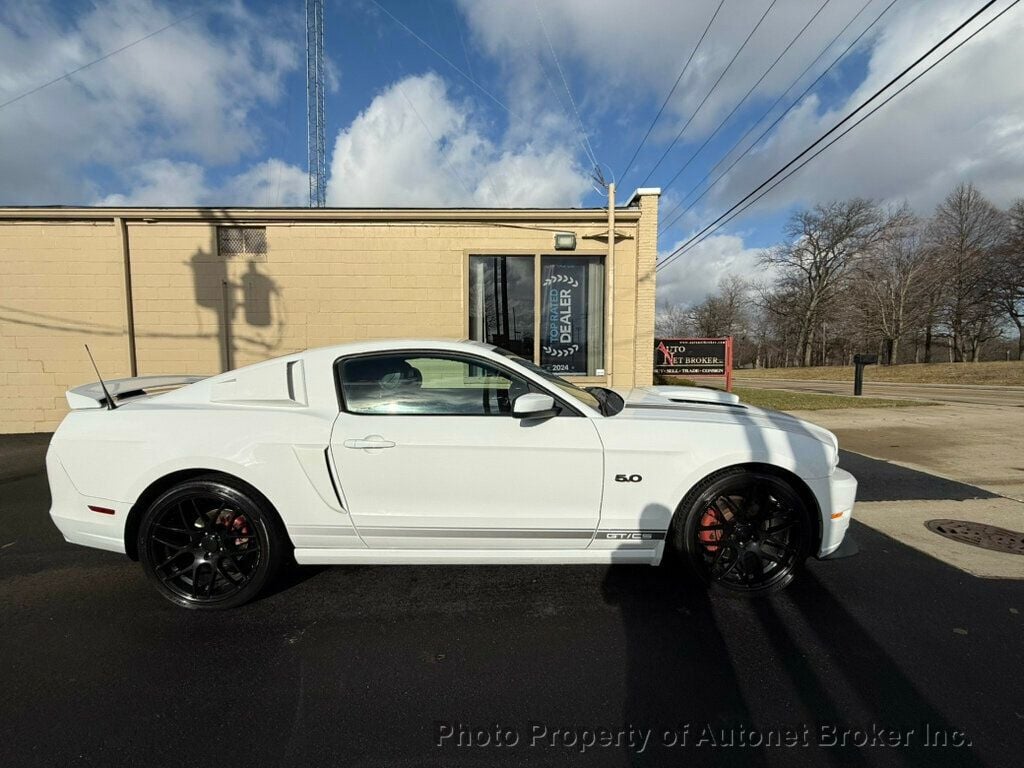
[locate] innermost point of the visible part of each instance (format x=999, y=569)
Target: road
x=372, y=666
x=943, y=393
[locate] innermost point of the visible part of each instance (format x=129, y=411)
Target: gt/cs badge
x=628, y=478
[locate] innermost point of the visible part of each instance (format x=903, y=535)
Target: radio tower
x=317, y=155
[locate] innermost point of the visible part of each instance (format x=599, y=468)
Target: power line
x=565, y=84
x=845, y=132
x=433, y=139
x=445, y=59
x=470, y=196
x=768, y=111
x=558, y=98
x=713, y=226
x=708, y=94
x=462, y=41
x=104, y=57
x=746, y=202
x=455, y=67
x=746, y=96
x=675, y=85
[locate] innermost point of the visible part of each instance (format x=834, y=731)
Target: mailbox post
x=859, y=361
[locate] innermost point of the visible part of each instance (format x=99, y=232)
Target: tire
x=210, y=544
x=743, y=533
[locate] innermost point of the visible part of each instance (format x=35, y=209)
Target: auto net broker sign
x=564, y=332
x=692, y=357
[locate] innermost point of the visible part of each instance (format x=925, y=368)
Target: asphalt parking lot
x=904, y=659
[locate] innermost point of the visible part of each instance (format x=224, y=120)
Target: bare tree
x=1008, y=283
x=725, y=312
x=824, y=243
x=967, y=233
x=671, y=321
x=854, y=277
x=780, y=323
x=888, y=281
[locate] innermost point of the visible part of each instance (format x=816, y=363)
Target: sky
x=511, y=103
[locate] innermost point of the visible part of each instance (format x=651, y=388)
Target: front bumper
x=848, y=548
x=836, y=495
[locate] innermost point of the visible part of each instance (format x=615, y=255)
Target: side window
x=427, y=385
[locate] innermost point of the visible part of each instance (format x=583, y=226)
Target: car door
x=429, y=456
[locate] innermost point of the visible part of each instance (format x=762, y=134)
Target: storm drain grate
x=980, y=535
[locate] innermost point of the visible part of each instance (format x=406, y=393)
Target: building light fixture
x=565, y=241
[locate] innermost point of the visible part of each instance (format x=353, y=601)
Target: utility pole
x=609, y=364
x=315, y=144
x=504, y=301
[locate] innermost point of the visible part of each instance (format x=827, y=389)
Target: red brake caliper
x=241, y=526
x=235, y=524
x=708, y=538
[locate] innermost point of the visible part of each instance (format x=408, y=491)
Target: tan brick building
x=201, y=290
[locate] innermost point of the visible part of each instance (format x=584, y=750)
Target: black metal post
x=859, y=361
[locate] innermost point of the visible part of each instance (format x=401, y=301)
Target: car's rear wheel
x=208, y=544
x=744, y=533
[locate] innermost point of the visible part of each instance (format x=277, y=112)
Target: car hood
x=669, y=395
x=700, y=404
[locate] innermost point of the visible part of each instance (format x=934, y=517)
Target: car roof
x=385, y=345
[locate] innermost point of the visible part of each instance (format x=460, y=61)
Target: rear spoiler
x=92, y=395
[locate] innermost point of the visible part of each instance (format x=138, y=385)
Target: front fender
x=673, y=456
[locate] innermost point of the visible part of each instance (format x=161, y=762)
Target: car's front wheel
x=209, y=544
x=744, y=532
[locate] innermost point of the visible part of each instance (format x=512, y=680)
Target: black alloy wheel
x=207, y=544
x=746, y=533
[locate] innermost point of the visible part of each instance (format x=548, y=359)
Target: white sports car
x=436, y=452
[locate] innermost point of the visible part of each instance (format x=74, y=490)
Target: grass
x=781, y=400
x=998, y=373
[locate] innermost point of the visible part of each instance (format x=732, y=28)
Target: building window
x=242, y=241
x=572, y=314
x=501, y=306
x=569, y=326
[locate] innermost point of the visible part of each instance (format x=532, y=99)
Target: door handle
x=373, y=441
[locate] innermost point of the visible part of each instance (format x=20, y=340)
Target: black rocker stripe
x=514, y=533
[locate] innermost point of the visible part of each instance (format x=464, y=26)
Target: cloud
x=697, y=272
x=269, y=183
x=190, y=92
x=165, y=182
x=415, y=145
x=625, y=62
x=963, y=121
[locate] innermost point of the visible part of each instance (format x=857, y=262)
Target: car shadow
x=839, y=659
x=726, y=675
x=289, y=577
x=884, y=481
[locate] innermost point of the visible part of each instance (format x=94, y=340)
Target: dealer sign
x=563, y=347
x=693, y=357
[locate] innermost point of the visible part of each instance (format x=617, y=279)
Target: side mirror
x=534, y=405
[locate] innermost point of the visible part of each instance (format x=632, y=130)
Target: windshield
x=571, y=390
